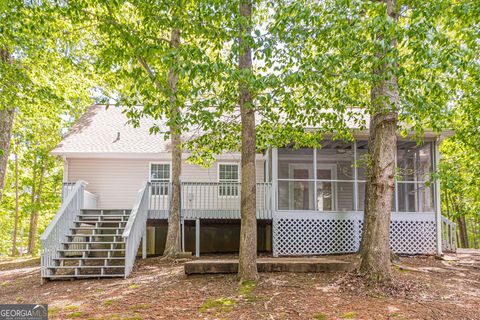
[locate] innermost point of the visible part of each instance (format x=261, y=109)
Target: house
x=309, y=201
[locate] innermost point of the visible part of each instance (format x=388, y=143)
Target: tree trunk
x=15, y=224
x=474, y=233
x=447, y=205
x=462, y=229
x=462, y=225
x=6, y=123
x=247, y=267
x=172, y=245
x=32, y=233
x=380, y=184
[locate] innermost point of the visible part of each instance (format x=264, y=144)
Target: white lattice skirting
x=317, y=233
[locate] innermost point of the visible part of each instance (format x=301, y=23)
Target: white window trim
x=150, y=174
x=218, y=178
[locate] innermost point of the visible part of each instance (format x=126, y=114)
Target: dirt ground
x=425, y=288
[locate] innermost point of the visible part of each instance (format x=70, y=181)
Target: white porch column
x=65, y=169
x=182, y=228
x=438, y=206
x=274, y=178
x=144, y=244
x=197, y=238
x=274, y=196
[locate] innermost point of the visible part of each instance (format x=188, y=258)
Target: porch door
x=302, y=193
x=325, y=190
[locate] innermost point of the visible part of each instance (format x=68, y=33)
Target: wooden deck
x=300, y=265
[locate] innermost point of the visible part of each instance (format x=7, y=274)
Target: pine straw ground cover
x=424, y=288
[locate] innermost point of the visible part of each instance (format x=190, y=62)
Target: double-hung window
x=160, y=178
x=228, y=180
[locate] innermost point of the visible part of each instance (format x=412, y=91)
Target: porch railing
x=449, y=232
x=51, y=240
x=66, y=188
x=159, y=203
x=136, y=227
x=221, y=200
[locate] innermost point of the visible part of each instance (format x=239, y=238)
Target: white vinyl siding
x=116, y=181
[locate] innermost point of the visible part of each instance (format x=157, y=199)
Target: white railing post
x=144, y=244
x=438, y=207
x=197, y=238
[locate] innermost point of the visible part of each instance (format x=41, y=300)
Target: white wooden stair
x=94, y=246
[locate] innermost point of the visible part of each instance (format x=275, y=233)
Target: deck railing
x=136, y=227
x=159, y=203
x=51, y=240
x=66, y=188
x=221, y=200
x=449, y=232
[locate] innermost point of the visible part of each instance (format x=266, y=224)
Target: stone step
x=308, y=265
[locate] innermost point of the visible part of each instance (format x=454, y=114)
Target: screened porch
x=332, y=179
x=319, y=193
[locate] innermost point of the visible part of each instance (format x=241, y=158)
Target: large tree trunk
x=6, y=123
x=462, y=229
x=15, y=224
x=474, y=233
x=247, y=268
x=36, y=201
x=382, y=144
x=172, y=245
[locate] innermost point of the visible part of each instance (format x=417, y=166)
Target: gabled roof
x=104, y=130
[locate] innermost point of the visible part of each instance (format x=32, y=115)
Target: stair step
x=106, y=210
x=100, y=222
x=68, y=276
x=90, y=250
x=104, y=215
x=94, y=242
x=99, y=228
x=90, y=258
x=94, y=235
x=86, y=267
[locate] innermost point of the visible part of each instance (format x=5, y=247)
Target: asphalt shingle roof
x=105, y=129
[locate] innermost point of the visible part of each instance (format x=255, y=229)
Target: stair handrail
x=55, y=233
x=136, y=227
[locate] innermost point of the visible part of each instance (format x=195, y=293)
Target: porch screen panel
x=295, y=179
x=335, y=176
x=414, y=168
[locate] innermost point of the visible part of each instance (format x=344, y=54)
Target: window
x=228, y=180
x=160, y=178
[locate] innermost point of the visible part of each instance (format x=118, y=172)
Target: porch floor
x=304, y=265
